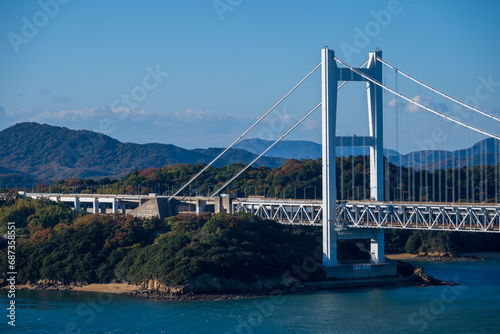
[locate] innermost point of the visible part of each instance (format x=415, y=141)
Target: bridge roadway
x=470, y=217
x=466, y=217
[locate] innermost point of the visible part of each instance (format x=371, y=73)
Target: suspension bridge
x=342, y=218
x=363, y=219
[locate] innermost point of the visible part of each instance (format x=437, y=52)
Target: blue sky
x=202, y=71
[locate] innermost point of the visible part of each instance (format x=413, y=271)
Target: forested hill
x=50, y=152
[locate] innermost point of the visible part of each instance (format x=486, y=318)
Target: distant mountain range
x=484, y=152
x=32, y=152
x=300, y=149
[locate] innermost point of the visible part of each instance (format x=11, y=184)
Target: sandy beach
x=105, y=288
x=403, y=256
x=108, y=288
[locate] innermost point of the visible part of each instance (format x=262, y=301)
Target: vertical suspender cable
x=341, y=155
x=386, y=149
x=456, y=174
x=485, y=191
x=352, y=146
x=445, y=167
x=420, y=172
x=408, y=164
x=470, y=185
x=398, y=169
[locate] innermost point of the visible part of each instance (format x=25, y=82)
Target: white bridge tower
x=331, y=75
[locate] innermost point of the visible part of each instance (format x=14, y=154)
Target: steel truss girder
x=423, y=216
x=296, y=213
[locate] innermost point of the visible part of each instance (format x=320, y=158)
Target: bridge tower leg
x=329, y=79
x=375, y=123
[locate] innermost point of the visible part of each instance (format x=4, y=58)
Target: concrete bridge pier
x=200, y=206
x=115, y=206
x=222, y=204
x=377, y=252
x=95, y=204
x=377, y=266
x=375, y=235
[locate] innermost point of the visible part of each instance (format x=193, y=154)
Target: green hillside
x=50, y=152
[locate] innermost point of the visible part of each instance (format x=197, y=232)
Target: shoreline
x=138, y=291
x=135, y=291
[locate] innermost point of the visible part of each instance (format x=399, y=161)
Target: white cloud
x=198, y=115
x=312, y=125
x=424, y=100
x=44, y=91
x=428, y=102
x=72, y=115
x=395, y=103
x=62, y=99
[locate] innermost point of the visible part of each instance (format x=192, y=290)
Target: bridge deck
x=480, y=217
x=467, y=217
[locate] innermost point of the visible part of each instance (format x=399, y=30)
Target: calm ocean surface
x=472, y=307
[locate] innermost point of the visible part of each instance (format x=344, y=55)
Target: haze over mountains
x=32, y=152
x=484, y=152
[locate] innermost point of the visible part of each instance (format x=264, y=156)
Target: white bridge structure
x=341, y=219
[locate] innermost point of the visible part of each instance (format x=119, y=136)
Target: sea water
x=471, y=307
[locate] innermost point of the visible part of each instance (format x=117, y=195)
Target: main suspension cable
x=416, y=103
x=484, y=113
x=266, y=150
x=247, y=131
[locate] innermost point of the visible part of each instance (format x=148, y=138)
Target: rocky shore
x=419, y=277
x=408, y=275
x=162, y=295
x=446, y=257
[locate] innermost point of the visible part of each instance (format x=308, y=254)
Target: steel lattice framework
x=422, y=216
x=284, y=212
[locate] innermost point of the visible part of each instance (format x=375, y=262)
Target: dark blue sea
x=471, y=307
